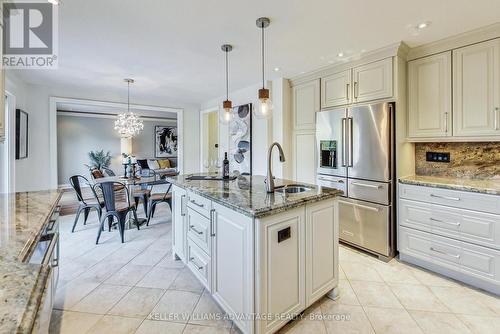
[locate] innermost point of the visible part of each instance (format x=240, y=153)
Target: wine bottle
x=225, y=167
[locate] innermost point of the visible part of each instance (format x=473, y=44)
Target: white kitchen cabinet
x=304, y=157
x=336, y=90
x=281, y=264
x=232, y=257
x=305, y=104
x=322, y=235
x=429, y=96
x=444, y=231
x=476, y=89
x=373, y=81
x=179, y=226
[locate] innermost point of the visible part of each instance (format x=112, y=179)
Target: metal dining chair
x=158, y=198
x=144, y=191
x=118, y=209
x=85, y=204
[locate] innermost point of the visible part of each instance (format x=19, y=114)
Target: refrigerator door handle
x=344, y=142
x=351, y=163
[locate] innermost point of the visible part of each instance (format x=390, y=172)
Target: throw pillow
x=143, y=163
x=164, y=163
x=153, y=164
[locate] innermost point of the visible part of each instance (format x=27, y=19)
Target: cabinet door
x=429, y=96
x=336, y=90
x=305, y=105
x=304, y=157
x=280, y=263
x=321, y=249
x=179, y=233
x=373, y=81
x=232, y=258
x=476, y=89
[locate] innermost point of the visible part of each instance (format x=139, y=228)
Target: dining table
x=137, y=181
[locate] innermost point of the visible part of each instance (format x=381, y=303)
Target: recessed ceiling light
x=276, y=69
x=423, y=25
x=340, y=54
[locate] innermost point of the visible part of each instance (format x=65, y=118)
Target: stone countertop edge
x=35, y=275
x=489, y=187
x=259, y=213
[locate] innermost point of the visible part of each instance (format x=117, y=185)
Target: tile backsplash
x=467, y=160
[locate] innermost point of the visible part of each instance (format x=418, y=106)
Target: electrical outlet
x=437, y=156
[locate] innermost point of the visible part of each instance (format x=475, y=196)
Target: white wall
x=264, y=132
x=33, y=173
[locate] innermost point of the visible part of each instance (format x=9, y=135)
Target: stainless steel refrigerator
x=356, y=155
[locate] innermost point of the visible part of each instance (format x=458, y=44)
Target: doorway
x=209, y=140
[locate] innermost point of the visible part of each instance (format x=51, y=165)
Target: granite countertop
x=22, y=218
x=247, y=194
x=490, y=186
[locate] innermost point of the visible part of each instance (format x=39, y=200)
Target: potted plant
x=99, y=160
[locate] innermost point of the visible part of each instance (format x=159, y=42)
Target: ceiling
x=95, y=108
x=172, y=47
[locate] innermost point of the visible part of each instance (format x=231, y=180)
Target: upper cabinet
x=456, y=94
x=336, y=89
x=429, y=98
x=373, y=81
x=305, y=104
x=476, y=89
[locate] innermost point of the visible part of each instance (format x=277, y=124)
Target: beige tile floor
x=114, y=288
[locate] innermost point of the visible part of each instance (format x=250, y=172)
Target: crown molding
x=399, y=49
x=467, y=38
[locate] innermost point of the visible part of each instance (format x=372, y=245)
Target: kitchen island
x=265, y=257
x=26, y=287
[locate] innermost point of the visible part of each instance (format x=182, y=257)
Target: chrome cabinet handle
x=327, y=180
x=366, y=185
x=347, y=91
x=349, y=233
x=444, y=222
x=191, y=259
x=351, y=163
x=361, y=206
x=444, y=253
x=192, y=227
x=197, y=204
x=344, y=139
x=183, y=212
x=356, y=89
x=446, y=122
x=212, y=219
x=497, y=110
x=446, y=197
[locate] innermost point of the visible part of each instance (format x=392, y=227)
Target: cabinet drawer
x=199, y=203
x=472, y=260
x=471, y=226
x=199, y=229
x=371, y=191
x=453, y=198
x=199, y=263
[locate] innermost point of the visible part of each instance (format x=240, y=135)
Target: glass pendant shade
x=226, y=114
x=265, y=106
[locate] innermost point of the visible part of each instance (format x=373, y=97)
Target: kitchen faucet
x=269, y=179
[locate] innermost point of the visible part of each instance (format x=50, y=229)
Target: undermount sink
x=293, y=189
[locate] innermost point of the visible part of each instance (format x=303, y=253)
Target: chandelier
x=128, y=124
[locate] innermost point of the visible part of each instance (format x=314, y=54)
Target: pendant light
x=265, y=105
x=226, y=114
x=128, y=124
